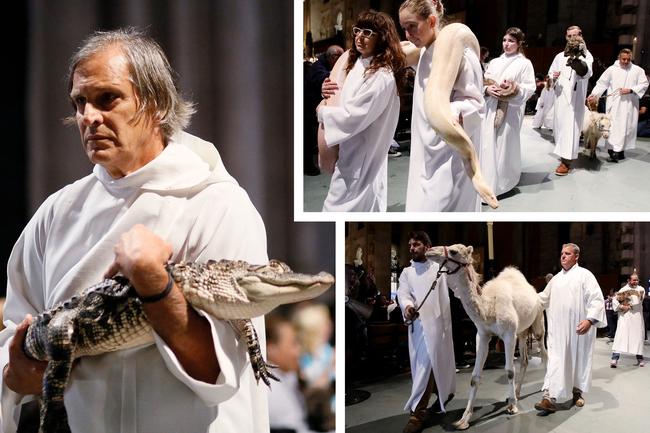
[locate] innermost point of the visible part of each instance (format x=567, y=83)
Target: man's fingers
x=112, y=270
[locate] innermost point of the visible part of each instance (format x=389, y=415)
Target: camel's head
x=457, y=253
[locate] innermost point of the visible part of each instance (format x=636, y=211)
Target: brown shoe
x=562, y=169
x=578, y=400
x=416, y=422
x=546, y=405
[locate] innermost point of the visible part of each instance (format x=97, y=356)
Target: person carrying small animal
x=628, y=302
x=625, y=84
x=156, y=193
x=570, y=71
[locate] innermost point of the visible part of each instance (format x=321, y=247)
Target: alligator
x=108, y=316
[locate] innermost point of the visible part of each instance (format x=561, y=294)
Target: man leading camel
x=574, y=307
x=433, y=367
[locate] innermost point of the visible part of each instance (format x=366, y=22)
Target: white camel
x=506, y=306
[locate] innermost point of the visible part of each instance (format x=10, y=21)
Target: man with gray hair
x=155, y=194
x=575, y=308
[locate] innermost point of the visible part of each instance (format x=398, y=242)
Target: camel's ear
x=469, y=250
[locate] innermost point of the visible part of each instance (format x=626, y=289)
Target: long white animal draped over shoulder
x=500, y=148
x=571, y=296
x=569, y=107
x=363, y=126
x=185, y=196
x=624, y=109
x=430, y=338
x=437, y=181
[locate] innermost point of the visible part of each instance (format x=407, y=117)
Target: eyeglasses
x=366, y=33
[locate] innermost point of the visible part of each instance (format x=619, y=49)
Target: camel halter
x=416, y=315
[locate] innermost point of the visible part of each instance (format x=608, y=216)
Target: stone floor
x=617, y=402
x=594, y=186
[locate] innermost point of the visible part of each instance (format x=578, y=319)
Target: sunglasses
x=366, y=33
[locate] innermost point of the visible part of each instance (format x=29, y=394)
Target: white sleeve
x=404, y=293
x=594, y=301
x=603, y=83
x=228, y=228
x=641, y=84
x=526, y=85
x=359, y=111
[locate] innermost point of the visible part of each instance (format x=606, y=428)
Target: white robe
x=187, y=198
x=544, y=114
x=501, y=149
x=571, y=296
x=363, y=126
x=437, y=181
x=624, y=109
x=569, y=106
x=630, y=331
x=430, y=338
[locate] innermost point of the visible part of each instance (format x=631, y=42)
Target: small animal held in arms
x=109, y=316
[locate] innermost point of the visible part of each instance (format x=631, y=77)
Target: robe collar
x=570, y=269
x=185, y=162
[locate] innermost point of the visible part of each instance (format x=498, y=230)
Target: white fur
x=506, y=306
x=594, y=126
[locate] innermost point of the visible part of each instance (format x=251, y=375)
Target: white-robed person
x=544, y=115
x=510, y=81
x=630, y=331
x=155, y=194
x=431, y=351
x=625, y=84
x=363, y=123
x=574, y=308
x=437, y=181
x=570, y=85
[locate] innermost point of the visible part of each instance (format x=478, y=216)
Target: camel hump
x=513, y=274
x=459, y=32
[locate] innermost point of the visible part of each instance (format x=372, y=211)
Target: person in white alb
x=500, y=132
x=625, y=84
x=155, y=194
x=574, y=309
x=433, y=367
x=630, y=331
x=544, y=114
x=437, y=181
x=363, y=124
x=570, y=80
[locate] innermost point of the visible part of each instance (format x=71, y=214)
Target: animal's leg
x=482, y=346
x=523, y=353
x=54, y=418
x=261, y=368
x=509, y=341
x=539, y=331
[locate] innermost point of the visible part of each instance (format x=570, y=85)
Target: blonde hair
x=310, y=322
x=425, y=8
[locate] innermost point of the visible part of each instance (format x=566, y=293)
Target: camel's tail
x=447, y=57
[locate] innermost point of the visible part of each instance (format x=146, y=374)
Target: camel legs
x=509, y=341
x=523, y=354
x=482, y=347
x=538, y=332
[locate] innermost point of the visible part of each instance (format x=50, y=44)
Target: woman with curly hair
x=363, y=123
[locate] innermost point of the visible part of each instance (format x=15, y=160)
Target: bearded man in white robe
x=433, y=367
x=625, y=84
x=570, y=80
x=630, y=331
x=155, y=194
x=574, y=308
